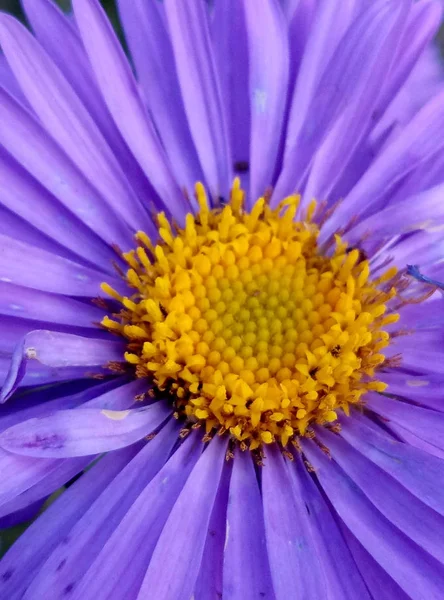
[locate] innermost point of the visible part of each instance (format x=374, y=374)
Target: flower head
x=211, y=336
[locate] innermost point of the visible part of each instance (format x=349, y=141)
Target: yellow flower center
x=248, y=326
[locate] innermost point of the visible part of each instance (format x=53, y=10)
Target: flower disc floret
x=247, y=325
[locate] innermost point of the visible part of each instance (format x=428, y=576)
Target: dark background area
x=14, y=7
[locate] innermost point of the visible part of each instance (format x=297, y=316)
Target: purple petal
x=67, y=564
x=355, y=68
x=246, y=569
x=380, y=584
x=24, y=196
x=424, y=390
x=268, y=80
x=341, y=142
x=29, y=304
x=20, y=516
x=415, y=571
x=121, y=95
x=294, y=562
x=119, y=398
x=19, y=473
x=329, y=21
x=67, y=121
x=54, y=349
x=9, y=82
x=209, y=583
x=58, y=35
x=54, y=480
x=82, y=431
x=29, y=266
x=416, y=520
x=422, y=422
x=423, y=22
x=413, y=440
x=417, y=471
x=15, y=227
x=343, y=579
x=150, y=46
x=21, y=563
x=47, y=162
x=230, y=47
x=181, y=544
x=116, y=394
x=415, y=212
x=417, y=142
x=195, y=64
x=119, y=569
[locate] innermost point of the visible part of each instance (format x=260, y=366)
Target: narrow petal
x=82, y=432
x=415, y=212
x=17, y=228
x=9, y=82
x=416, y=520
x=19, y=473
x=209, y=583
x=29, y=304
x=294, y=562
x=67, y=121
x=181, y=544
x=55, y=478
x=24, y=196
x=21, y=563
x=47, y=162
x=423, y=22
x=59, y=36
x=119, y=569
x=119, y=89
x=329, y=21
x=58, y=472
x=381, y=586
x=422, y=389
x=150, y=46
x=415, y=571
x=357, y=64
x=195, y=64
x=417, y=142
x=353, y=124
x=426, y=424
x=343, y=579
x=53, y=349
x=230, y=47
x=29, y=266
x=268, y=80
x=246, y=568
x=417, y=471
x=67, y=564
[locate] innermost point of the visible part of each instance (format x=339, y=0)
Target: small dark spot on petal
x=6, y=576
x=307, y=508
x=61, y=565
x=242, y=166
x=68, y=589
x=212, y=532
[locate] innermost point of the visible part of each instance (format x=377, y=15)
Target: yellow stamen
x=248, y=326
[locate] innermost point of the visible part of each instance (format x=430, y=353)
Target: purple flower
x=241, y=390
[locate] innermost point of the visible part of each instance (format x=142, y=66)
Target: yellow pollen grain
x=248, y=326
